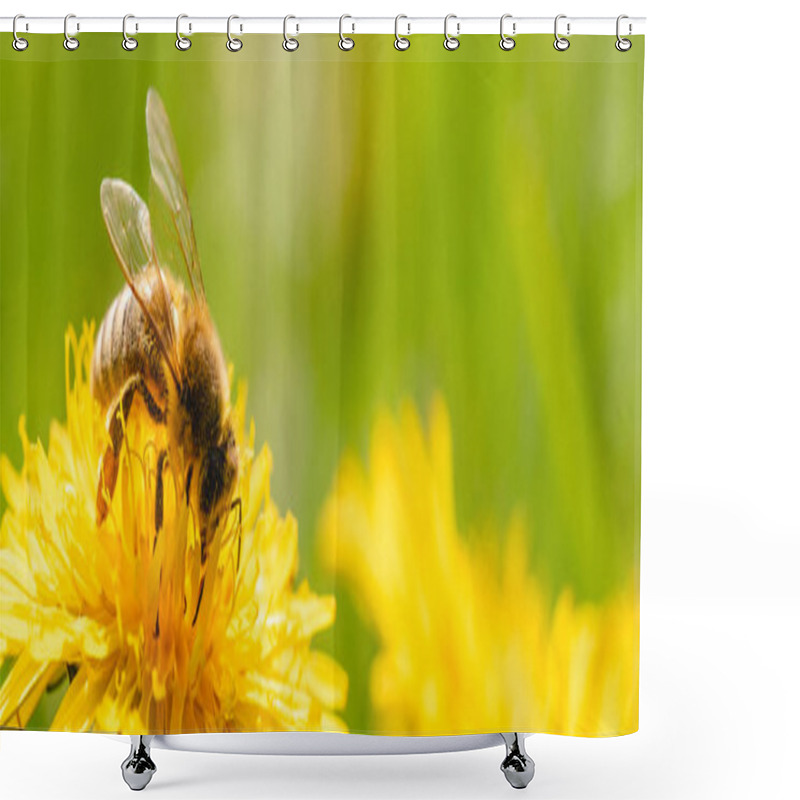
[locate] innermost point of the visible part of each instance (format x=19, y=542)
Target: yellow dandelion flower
x=468, y=642
x=118, y=603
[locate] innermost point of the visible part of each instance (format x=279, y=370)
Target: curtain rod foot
x=138, y=768
x=517, y=766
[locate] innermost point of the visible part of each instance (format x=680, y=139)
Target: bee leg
x=157, y=630
x=117, y=416
x=110, y=463
x=237, y=504
x=203, y=543
x=199, y=598
x=162, y=456
x=189, y=481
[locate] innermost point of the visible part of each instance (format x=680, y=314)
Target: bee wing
x=174, y=231
x=128, y=223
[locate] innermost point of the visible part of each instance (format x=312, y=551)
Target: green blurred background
x=372, y=225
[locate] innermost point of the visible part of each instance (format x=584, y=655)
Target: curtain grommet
x=622, y=44
x=18, y=43
x=233, y=44
x=290, y=44
x=346, y=43
x=507, y=42
x=70, y=42
x=451, y=43
x=561, y=43
x=401, y=43
x=182, y=42
x=129, y=43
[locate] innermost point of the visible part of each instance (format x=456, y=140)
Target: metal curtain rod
x=598, y=26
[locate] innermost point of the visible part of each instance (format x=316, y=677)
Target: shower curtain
x=320, y=385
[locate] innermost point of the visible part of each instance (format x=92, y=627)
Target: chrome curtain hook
x=289, y=43
x=233, y=44
x=345, y=42
x=18, y=43
x=70, y=42
x=128, y=42
x=181, y=42
x=507, y=42
x=400, y=42
x=451, y=42
x=623, y=45
x=561, y=44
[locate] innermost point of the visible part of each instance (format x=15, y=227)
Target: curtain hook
x=181, y=42
x=561, y=44
x=507, y=42
x=345, y=42
x=128, y=42
x=289, y=43
x=70, y=42
x=400, y=42
x=233, y=44
x=451, y=42
x=19, y=44
x=623, y=45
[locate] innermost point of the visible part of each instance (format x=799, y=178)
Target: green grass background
x=372, y=225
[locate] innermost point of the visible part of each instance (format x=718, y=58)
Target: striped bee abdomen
x=125, y=346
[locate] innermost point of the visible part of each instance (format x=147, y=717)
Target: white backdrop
x=720, y=699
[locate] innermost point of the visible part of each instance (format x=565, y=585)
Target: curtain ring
x=623, y=45
x=507, y=42
x=19, y=44
x=181, y=42
x=400, y=42
x=450, y=42
x=128, y=42
x=561, y=44
x=70, y=42
x=289, y=43
x=233, y=44
x=345, y=42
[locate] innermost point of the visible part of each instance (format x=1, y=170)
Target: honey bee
x=158, y=341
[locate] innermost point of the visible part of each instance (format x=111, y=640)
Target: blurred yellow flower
x=468, y=642
x=117, y=604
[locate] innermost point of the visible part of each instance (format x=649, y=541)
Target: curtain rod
x=567, y=26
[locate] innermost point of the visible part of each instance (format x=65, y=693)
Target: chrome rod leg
x=138, y=768
x=517, y=766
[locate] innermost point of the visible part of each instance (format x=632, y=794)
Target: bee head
x=218, y=470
